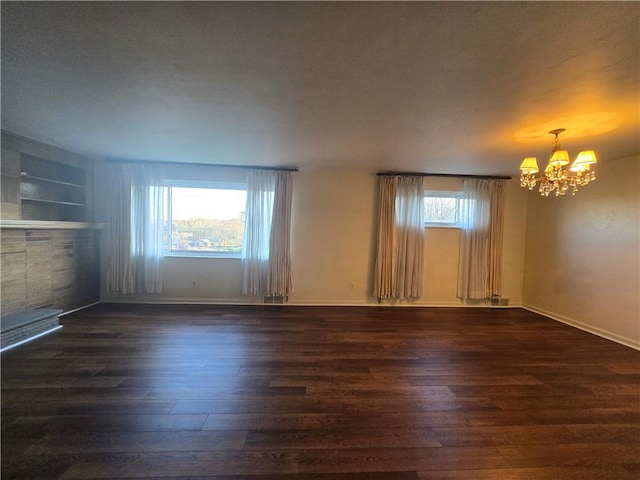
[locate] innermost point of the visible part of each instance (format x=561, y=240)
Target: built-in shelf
x=57, y=202
x=48, y=180
x=50, y=248
x=48, y=225
x=51, y=190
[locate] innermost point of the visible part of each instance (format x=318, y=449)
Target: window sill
x=202, y=255
x=437, y=225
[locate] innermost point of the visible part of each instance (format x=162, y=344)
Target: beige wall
x=332, y=238
x=333, y=245
x=582, y=254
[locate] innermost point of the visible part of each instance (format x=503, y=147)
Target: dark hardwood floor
x=335, y=393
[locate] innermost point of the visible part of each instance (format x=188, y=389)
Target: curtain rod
x=450, y=175
x=202, y=164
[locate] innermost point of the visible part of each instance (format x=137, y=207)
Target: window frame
x=457, y=195
x=202, y=184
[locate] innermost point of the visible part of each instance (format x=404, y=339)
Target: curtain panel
x=410, y=237
x=119, y=269
x=147, y=227
x=280, y=281
x=480, y=260
x=496, y=235
x=400, y=240
x=136, y=229
x=384, y=271
x=257, y=230
x=267, y=245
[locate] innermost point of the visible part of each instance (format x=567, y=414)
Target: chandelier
x=556, y=178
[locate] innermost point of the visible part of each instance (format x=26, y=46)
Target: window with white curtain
x=152, y=216
x=204, y=218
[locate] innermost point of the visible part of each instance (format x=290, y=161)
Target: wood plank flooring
x=331, y=393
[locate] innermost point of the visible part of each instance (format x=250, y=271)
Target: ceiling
x=438, y=87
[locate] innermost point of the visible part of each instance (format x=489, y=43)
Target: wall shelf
x=46, y=225
x=52, y=190
x=49, y=180
x=57, y=202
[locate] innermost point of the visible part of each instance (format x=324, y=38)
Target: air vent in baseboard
x=500, y=301
x=276, y=299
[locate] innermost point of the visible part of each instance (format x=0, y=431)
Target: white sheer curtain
x=147, y=227
x=479, y=268
x=266, y=254
x=400, y=249
x=257, y=230
x=136, y=228
x=410, y=237
x=118, y=234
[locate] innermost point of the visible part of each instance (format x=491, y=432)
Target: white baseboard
x=614, y=337
x=182, y=301
x=294, y=303
x=79, y=308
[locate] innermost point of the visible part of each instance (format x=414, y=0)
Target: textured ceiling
x=442, y=87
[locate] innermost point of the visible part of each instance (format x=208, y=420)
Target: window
x=204, y=218
x=442, y=209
